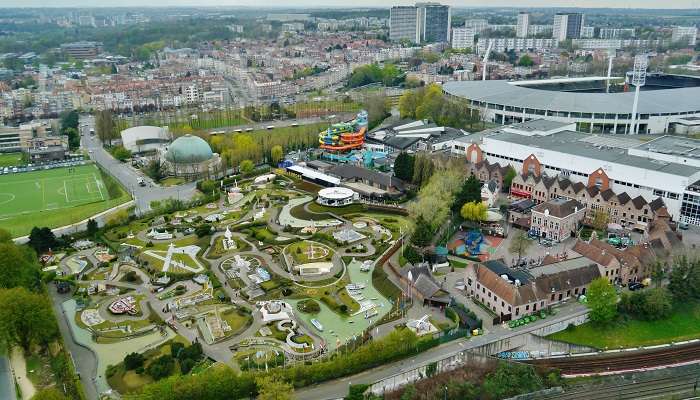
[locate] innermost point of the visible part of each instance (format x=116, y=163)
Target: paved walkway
x=19, y=370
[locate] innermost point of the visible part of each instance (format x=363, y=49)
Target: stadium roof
x=579, y=144
x=506, y=93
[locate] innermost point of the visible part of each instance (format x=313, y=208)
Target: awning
x=520, y=193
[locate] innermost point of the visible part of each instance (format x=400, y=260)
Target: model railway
x=623, y=361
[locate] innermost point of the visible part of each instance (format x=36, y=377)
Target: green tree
x=403, y=166
x=474, y=211
x=470, y=192
x=508, y=178
x=684, y=279
x=92, y=227
x=120, y=153
x=161, y=367
x=599, y=219
x=18, y=266
x=423, y=234
x=42, y=239
x=525, y=61
x=133, y=361
x=511, y=379
x=276, y=154
x=247, y=166
x=602, y=301
x=519, y=244
x=105, y=127
x=377, y=106
x=155, y=169
x=272, y=387
x=408, y=102
x=26, y=318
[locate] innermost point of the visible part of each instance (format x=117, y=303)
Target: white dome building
x=336, y=196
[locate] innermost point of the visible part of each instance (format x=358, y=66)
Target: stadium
x=667, y=103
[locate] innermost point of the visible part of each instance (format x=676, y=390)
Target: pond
x=341, y=326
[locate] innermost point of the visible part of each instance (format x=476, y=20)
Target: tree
x=403, y=166
x=508, y=178
x=18, y=267
x=684, y=280
x=602, y=301
x=519, y=244
x=120, y=153
x=247, y=166
x=92, y=227
x=161, y=367
x=202, y=230
x=42, y=239
x=73, y=138
x=474, y=211
x=155, y=169
x=526, y=61
x=511, y=379
x=274, y=388
x=276, y=154
x=423, y=234
x=133, y=361
x=408, y=102
x=377, y=106
x=26, y=318
x=423, y=169
x=105, y=126
x=599, y=219
x=470, y=192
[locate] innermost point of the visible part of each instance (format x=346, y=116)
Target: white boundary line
x=12, y=183
x=98, y=186
x=65, y=191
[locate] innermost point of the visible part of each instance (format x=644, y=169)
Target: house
x=368, y=183
x=511, y=293
x=557, y=219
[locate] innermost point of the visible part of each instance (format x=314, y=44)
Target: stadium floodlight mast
x=639, y=78
x=486, y=59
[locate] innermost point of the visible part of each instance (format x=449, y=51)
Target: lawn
x=10, y=159
x=172, y=181
x=308, y=252
x=236, y=319
x=55, y=197
x=682, y=324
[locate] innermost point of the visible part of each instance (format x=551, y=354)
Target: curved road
x=127, y=175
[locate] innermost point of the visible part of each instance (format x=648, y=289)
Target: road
x=129, y=176
x=7, y=384
x=84, y=359
x=338, y=388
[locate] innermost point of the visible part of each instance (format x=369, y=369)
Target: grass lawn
x=300, y=213
x=171, y=181
x=300, y=252
x=236, y=319
x=349, y=209
x=39, y=370
x=55, y=197
x=682, y=324
x=10, y=160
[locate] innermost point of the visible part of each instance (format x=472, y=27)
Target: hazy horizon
x=648, y=4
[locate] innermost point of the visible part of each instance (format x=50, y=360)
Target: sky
x=357, y=3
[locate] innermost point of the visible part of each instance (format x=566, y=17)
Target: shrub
x=309, y=306
x=133, y=361
x=161, y=367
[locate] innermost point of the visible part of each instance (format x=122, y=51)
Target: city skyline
x=647, y=4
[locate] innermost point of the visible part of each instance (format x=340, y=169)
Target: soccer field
x=52, y=197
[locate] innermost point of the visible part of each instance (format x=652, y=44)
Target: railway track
x=633, y=360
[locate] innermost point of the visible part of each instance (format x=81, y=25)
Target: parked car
x=635, y=286
x=683, y=225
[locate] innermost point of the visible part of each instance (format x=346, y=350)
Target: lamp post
x=639, y=77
